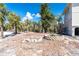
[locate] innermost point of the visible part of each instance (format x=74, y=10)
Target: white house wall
x=75, y=19
x=75, y=16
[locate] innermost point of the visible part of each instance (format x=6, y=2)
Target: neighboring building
x=71, y=19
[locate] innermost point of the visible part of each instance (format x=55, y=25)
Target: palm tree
x=40, y=26
x=21, y=26
x=14, y=21
x=27, y=25
x=3, y=13
x=35, y=26
x=43, y=12
x=7, y=26
x=46, y=17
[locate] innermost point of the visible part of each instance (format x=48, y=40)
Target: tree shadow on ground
x=13, y=34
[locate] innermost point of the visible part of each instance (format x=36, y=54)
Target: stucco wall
x=75, y=16
x=71, y=19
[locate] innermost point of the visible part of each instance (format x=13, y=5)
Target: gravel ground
x=33, y=44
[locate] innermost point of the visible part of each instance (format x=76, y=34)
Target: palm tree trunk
x=43, y=30
x=27, y=30
x=2, y=30
x=15, y=28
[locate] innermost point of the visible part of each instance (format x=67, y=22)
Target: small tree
x=3, y=13
x=14, y=21
x=60, y=25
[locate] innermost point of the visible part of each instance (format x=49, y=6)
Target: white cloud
x=31, y=16
x=28, y=16
x=38, y=15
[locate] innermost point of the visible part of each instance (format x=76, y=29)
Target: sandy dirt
x=28, y=44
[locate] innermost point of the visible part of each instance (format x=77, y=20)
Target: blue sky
x=32, y=10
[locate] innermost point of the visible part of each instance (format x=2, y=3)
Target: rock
x=49, y=37
x=53, y=34
x=40, y=39
x=66, y=41
x=33, y=39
